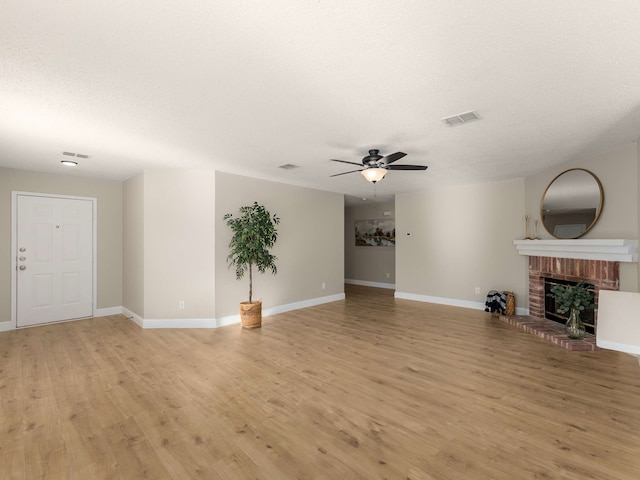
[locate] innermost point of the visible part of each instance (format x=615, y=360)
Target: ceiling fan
x=374, y=166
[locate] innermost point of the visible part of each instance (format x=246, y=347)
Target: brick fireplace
x=595, y=261
x=602, y=274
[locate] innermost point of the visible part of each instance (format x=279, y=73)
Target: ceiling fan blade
x=407, y=167
x=344, y=173
x=344, y=161
x=393, y=157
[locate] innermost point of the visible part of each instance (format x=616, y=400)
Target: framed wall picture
x=376, y=233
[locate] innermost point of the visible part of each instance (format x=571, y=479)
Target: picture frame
x=375, y=233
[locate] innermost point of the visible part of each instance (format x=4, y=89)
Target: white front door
x=54, y=243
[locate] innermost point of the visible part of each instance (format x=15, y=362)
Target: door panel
x=70, y=288
x=43, y=242
x=55, y=259
x=42, y=291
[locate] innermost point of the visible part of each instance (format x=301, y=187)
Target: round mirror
x=572, y=203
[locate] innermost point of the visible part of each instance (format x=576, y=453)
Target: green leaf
x=254, y=233
x=579, y=296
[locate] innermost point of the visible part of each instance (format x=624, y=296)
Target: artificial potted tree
x=254, y=234
x=573, y=299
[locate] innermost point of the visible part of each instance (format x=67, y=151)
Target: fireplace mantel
x=615, y=250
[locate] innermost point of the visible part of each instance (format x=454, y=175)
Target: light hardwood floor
x=367, y=388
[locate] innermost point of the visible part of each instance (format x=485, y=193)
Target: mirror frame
x=598, y=211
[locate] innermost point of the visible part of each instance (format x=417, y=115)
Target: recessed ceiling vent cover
x=288, y=166
x=459, y=119
x=78, y=155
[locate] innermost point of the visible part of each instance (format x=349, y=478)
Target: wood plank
x=367, y=388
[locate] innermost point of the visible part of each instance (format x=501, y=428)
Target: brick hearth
x=551, y=331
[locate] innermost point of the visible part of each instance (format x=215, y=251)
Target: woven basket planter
x=251, y=314
x=510, y=304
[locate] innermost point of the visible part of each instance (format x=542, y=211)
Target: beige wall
x=170, y=244
x=133, y=245
x=310, y=246
x=179, y=244
x=617, y=170
x=369, y=264
x=174, y=221
x=109, y=195
x=175, y=241
x=461, y=238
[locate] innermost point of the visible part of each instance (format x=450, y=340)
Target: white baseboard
x=364, y=283
x=105, y=312
x=266, y=312
x=633, y=350
x=99, y=312
x=169, y=322
x=179, y=323
x=138, y=320
x=235, y=319
x=229, y=320
x=454, y=302
x=224, y=321
x=303, y=304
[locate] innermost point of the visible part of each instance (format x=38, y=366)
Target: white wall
x=310, y=245
x=109, y=195
x=461, y=238
x=368, y=264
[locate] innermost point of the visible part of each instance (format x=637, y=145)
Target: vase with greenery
x=254, y=234
x=573, y=299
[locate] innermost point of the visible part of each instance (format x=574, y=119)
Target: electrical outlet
x=324, y=285
x=477, y=290
x=388, y=275
x=181, y=304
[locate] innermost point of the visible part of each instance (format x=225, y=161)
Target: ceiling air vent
x=459, y=119
x=78, y=155
x=288, y=166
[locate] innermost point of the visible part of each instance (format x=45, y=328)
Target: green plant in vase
x=573, y=299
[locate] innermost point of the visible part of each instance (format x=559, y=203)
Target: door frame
x=14, y=248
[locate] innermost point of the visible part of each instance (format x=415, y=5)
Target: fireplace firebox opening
x=550, y=311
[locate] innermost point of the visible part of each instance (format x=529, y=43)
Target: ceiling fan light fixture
x=374, y=175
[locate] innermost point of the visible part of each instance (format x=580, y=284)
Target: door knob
x=23, y=267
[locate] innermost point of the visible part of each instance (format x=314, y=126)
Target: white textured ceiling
x=245, y=86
